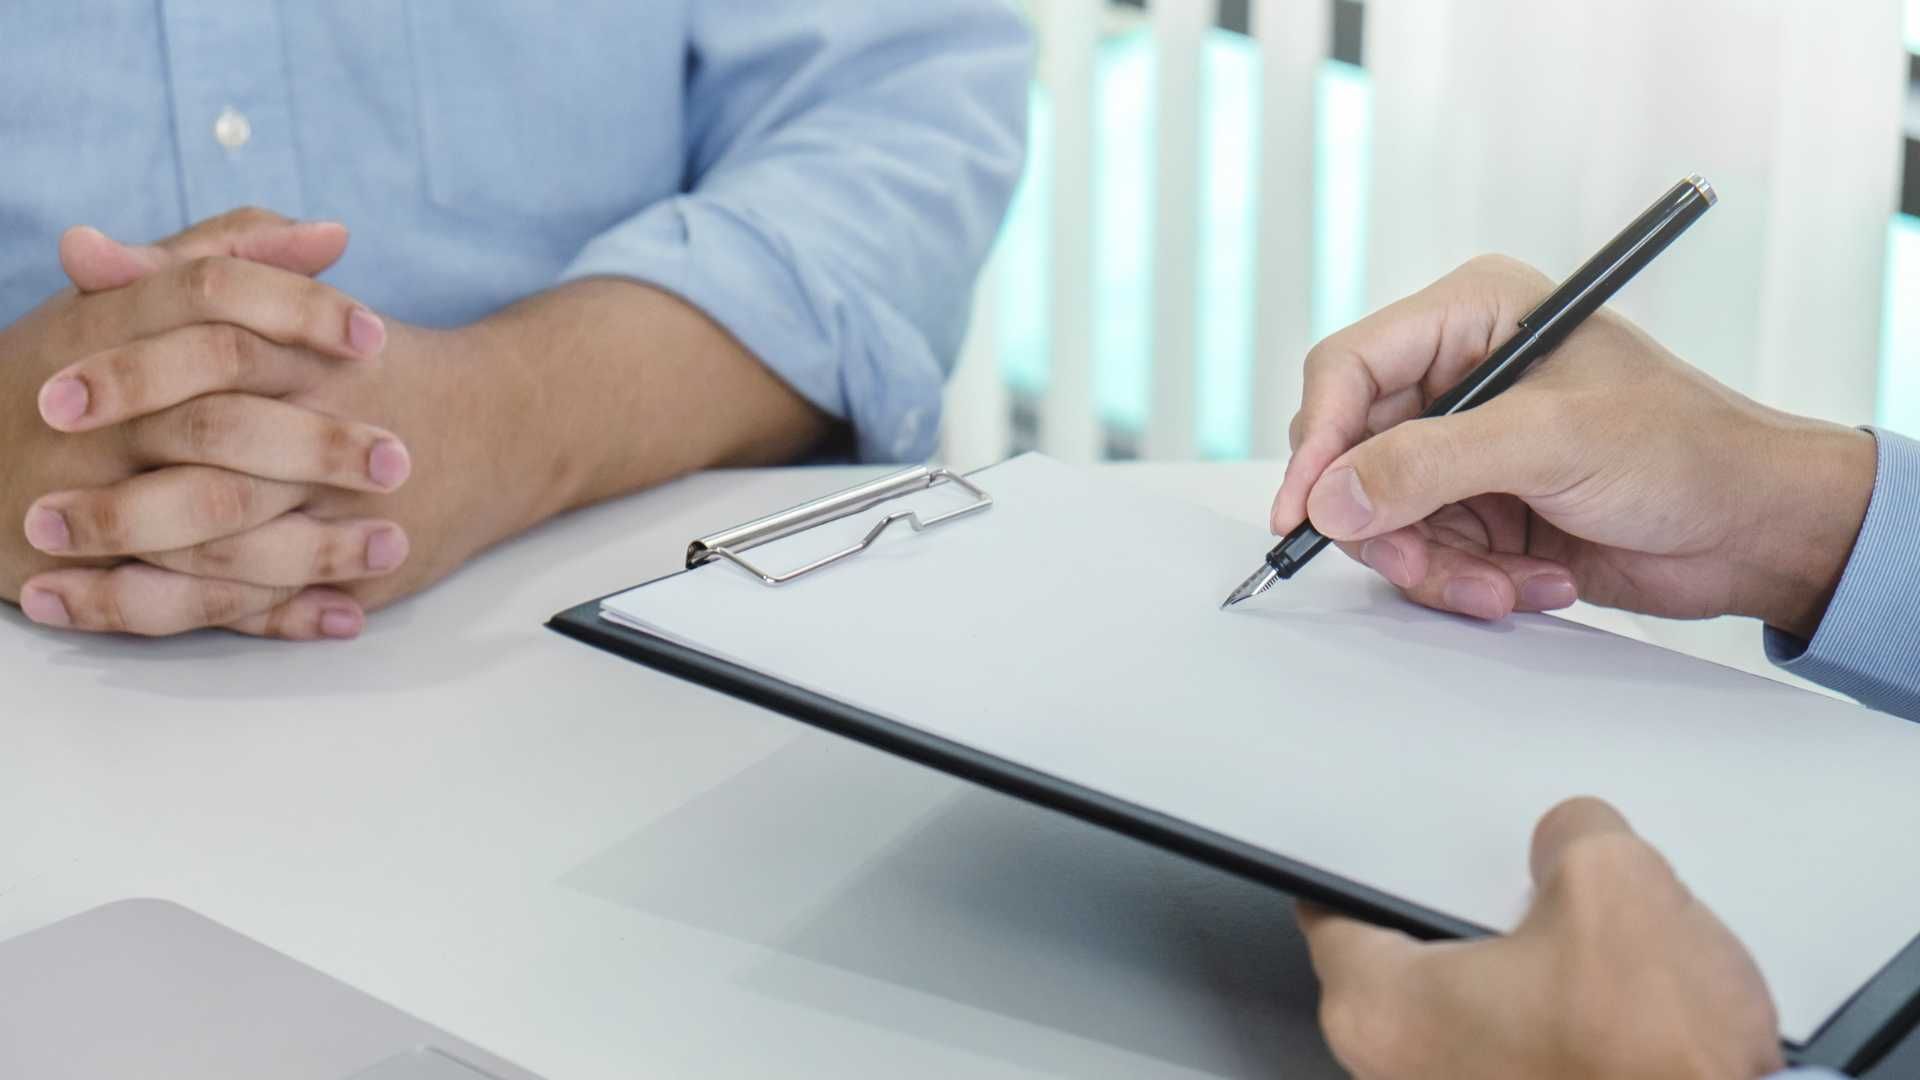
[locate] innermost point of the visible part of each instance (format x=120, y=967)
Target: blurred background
x=1214, y=185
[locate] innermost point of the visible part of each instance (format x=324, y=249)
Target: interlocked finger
x=157, y=511
x=151, y=602
x=293, y=550
x=272, y=439
x=152, y=374
x=312, y=615
x=277, y=304
x=142, y=600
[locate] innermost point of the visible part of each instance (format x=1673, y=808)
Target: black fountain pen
x=1540, y=332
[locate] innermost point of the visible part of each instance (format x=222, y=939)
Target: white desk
x=600, y=872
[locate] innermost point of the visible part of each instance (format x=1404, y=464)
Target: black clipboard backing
x=1869, y=1025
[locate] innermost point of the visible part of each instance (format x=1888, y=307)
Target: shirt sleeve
x=1868, y=643
x=848, y=167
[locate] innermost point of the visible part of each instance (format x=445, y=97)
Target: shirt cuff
x=853, y=357
x=1868, y=644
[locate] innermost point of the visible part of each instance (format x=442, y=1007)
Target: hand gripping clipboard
x=1879, y=1012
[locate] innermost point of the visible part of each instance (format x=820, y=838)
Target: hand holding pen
x=1615, y=474
x=1534, y=335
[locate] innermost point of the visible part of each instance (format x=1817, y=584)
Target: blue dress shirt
x=822, y=178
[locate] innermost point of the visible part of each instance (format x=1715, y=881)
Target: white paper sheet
x=1074, y=629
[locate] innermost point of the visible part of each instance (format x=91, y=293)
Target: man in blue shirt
x=593, y=246
x=1617, y=474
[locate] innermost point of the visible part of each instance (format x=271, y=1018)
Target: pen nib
x=1260, y=582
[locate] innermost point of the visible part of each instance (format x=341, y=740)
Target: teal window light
x=1900, y=337
x=1343, y=171
x=1124, y=214
x=1123, y=219
x=1342, y=154
x=1024, y=334
x=1899, y=399
x=1229, y=235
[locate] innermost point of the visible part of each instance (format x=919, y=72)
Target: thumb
x=300, y=247
x=1370, y=1000
x=1350, y=954
x=1405, y=473
x=95, y=261
x=1568, y=825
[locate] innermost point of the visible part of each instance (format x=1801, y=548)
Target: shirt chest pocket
x=562, y=115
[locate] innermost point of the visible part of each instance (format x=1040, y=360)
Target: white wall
x=1538, y=128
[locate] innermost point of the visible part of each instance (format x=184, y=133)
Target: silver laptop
x=148, y=989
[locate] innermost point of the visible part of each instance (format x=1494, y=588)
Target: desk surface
x=600, y=872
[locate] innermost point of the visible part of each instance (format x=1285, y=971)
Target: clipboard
x=1873, y=1019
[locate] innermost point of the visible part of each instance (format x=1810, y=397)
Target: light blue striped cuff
x=1868, y=644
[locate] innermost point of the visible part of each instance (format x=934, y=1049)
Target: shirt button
x=232, y=128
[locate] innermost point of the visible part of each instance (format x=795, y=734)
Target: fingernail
x=388, y=464
x=1343, y=508
x=45, y=608
x=64, y=401
x=47, y=530
x=365, y=332
x=341, y=623
x=1385, y=560
x=1548, y=592
x=386, y=549
x=1470, y=596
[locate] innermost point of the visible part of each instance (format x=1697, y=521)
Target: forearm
x=605, y=387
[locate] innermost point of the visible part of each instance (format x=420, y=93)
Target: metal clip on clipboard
x=729, y=544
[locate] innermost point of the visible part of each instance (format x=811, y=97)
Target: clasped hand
x=169, y=438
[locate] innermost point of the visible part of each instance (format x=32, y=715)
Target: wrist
x=1810, y=495
x=464, y=404
x=517, y=454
